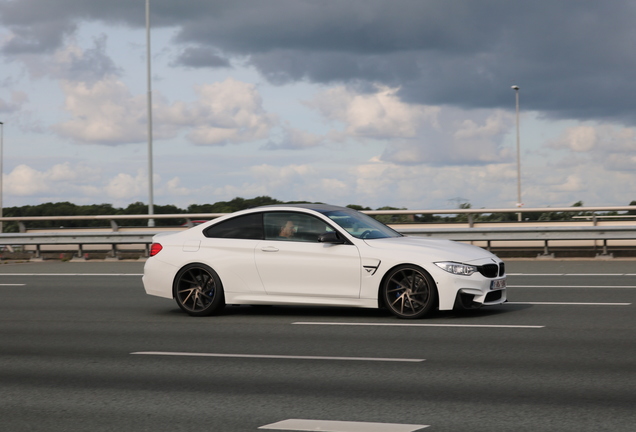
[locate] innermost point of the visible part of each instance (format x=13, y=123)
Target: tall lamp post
x=151, y=204
x=519, y=203
x=1, y=184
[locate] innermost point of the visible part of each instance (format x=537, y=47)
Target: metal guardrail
x=488, y=235
x=514, y=232
x=79, y=240
x=545, y=234
x=112, y=219
x=470, y=213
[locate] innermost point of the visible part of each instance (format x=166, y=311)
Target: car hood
x=440, y=249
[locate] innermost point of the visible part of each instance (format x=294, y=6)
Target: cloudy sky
x=405, y=103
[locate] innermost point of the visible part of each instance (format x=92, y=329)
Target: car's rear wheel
x=198, y=290
x=409, y=291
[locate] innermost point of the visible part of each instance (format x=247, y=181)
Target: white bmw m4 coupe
x=316, y=254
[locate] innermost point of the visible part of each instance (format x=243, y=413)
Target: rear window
x=241, y=227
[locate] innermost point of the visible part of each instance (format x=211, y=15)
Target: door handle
x=269, y=249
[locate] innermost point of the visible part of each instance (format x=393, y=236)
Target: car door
x=299, y=265
x=228, y=247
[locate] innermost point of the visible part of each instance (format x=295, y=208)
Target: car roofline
x=319, y=207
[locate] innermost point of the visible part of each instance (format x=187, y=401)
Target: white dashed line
x=419, y=325
x=341, y=426
x=284, y=357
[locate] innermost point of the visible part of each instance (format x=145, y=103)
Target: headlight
x=457, y=268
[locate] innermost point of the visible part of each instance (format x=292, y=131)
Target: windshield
x=361, y=225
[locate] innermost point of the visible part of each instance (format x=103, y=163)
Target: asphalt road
x=82, y=348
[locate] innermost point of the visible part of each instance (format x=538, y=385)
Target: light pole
x=519, y=203
x=1, y=184
x=151, y=204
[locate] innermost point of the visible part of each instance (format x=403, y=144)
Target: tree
x=358, y=207
x=387, y=219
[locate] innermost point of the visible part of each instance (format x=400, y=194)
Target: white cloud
x=229, y=112
x=572, y=183
x=173, y=187
x=494, y=125
x=293, y=183
x=106, y=112
x=416, y=134
x=296, y=139
x=26, y=181
x=286, y=176
x=609, y=145
x=126, y=187
x=458, y=138
x=81, y=181
x=379, y=115
x=102, y=109
x=103, y=113
x=579, y=139
x=420, y=187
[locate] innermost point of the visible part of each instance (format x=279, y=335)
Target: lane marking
x=266, y=356
x=417, y=325
x=341, y=426
x=572, y=303
x=12, y=284
x=71, y=274
x=573, y=286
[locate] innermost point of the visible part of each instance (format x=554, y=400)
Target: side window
x=293, y=227
x=242, y=227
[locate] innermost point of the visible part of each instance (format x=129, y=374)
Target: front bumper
x=469, y=292
x=473, y=299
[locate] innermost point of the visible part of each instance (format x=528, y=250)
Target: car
x=320, y=255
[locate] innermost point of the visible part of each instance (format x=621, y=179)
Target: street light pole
x=151, y=204
x=519, y=203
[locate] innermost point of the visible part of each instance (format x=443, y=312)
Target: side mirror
x=330, y=237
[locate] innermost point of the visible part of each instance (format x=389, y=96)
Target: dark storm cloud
x=572, y=59
x=37, y=39
x=92, y=66
x=198, y=57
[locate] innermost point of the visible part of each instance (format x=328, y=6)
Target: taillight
x=155, y=248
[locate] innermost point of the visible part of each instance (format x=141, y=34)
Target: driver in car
x=287, y=231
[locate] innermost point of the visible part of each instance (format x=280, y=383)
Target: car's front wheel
x=198, y=290
x=409, y=291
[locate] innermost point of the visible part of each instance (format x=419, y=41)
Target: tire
x=198, y=290
x=409, y=292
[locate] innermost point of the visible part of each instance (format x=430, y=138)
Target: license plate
x=498, y=284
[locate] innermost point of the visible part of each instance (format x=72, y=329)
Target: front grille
x=489, y=270
x=492, y=270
